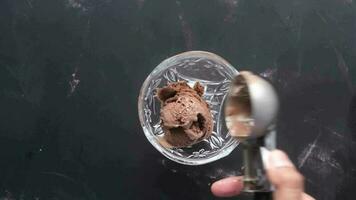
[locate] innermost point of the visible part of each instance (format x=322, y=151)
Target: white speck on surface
x=76, y=4
x=269, y=73
x=163, y=162
x=73, y=83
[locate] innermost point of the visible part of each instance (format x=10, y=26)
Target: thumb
x=289, y=183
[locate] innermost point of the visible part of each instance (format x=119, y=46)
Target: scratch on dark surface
x=327, y=159
x=307, y=152
x=300, y=55
x=341, y=64
x=321, y=17
x=319, y=157
x=231, y=9
x=334, y=132
x=66, y=177
x=311, y=117
x=186, y=29
x=74, y=82
x=187, y=33
x=90, y=194
x=321, y=161
x=29, y=3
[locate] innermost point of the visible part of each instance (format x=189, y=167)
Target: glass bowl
x=215, y=74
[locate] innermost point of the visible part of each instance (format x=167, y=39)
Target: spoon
x=250, y=113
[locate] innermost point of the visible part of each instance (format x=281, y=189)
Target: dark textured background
x=70, y=73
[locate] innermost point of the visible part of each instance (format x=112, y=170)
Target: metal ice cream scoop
x=250, y=113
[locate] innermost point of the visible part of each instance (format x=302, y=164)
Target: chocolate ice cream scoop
x=185, y=116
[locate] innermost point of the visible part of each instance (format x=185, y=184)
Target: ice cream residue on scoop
x=185, y=116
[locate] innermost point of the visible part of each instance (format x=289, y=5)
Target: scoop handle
x=255, y=179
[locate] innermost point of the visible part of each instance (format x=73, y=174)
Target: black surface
x=70, y=73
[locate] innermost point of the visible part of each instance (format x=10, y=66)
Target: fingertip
x=307, y=197
x=277, y=159
x=227, y=187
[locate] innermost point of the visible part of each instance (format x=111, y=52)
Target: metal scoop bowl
x=250, y=114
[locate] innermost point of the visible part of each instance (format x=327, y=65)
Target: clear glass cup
x=215, y=74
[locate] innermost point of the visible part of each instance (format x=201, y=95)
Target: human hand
x=288, y=182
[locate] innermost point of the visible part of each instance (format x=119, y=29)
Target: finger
x=283, y=175
x=227, y=187
x=307, y=197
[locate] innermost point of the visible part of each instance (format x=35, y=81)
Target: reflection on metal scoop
x=250, y=113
